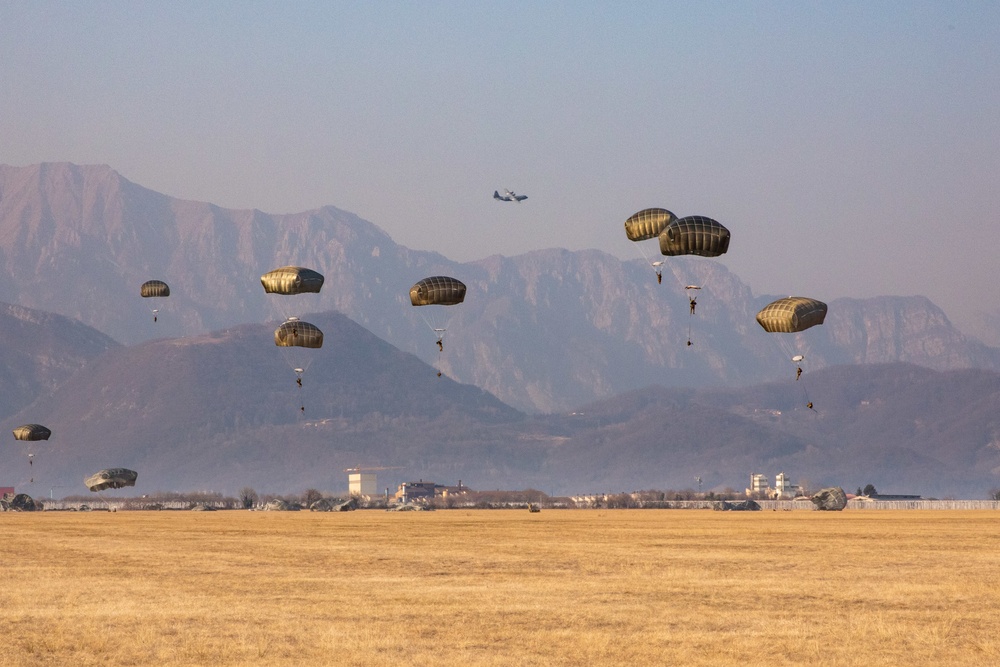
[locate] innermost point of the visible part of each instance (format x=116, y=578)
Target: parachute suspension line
x=439, y=332
x=692, y=303
x=298, y=381
x=689, y=289
x=657, y=265
x=437, y=291
x=805, y=396
x=790, y=353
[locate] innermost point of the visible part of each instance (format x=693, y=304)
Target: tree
x=311, y=496
x=248, y=497
x=994, y=494
x=870, y=490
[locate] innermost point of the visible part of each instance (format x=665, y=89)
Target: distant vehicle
x=510, y=196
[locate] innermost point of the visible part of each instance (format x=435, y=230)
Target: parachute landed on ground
x=292, y=280
x=111, y=478
x=832, y=499
x=32, y=432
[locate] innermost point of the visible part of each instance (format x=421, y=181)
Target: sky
x=852, y=148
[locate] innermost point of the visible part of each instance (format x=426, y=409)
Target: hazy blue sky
x=852, y=148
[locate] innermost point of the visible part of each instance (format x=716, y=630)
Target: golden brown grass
x=575, y=587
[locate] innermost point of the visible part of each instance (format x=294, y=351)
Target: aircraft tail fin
x=496, y=194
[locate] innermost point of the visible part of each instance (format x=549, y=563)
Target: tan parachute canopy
x=296, y=333
x=694, y=235
x=648, y=223
x=832, y=499
x=292, y=280
x=111, y=478
x=32, y=432
x=791, y=314
x=437, y=290
x=154, y=288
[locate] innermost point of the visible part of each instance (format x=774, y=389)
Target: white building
x=362, y=484
x=759, y=485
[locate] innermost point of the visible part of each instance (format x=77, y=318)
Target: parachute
x=111, y=478
x=691, y=235
x=32, y=432
x=791, y=314
x=296, y=333
x=292, y=280
x=648, y=223
x=153, y=288
x=438, y=291
x=832, y=499
x=289, y=281
x=694, y=235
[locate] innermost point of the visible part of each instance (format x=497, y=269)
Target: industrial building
x=783, y=489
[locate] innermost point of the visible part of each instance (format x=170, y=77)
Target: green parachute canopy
x=437, y=290
x=791, y=314
x=32, y=432
x=111, y=478
x=292, y=280
x=296, y=333
x=154, y=288
x=648, y=223
x=694, y=235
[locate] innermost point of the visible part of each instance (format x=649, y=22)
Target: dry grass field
x=573, y=587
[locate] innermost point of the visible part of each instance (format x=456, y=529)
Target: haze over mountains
x=543, y=331
x=202, y=398
x=219, y=411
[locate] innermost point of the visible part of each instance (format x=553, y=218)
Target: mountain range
x=545, y=331
x=219, y=411
x=563, y=371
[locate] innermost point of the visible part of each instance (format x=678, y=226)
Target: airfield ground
x=481, y=587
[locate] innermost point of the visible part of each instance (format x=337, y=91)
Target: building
x=784, y=489
x=423, y=491
x=759, y=485
x=445, y=491
x=4, y=490
x=362, y=484
x=409, y=492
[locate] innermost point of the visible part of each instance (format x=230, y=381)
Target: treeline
x=249, y=498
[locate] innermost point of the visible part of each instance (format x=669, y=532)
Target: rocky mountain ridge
x=545, y=331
